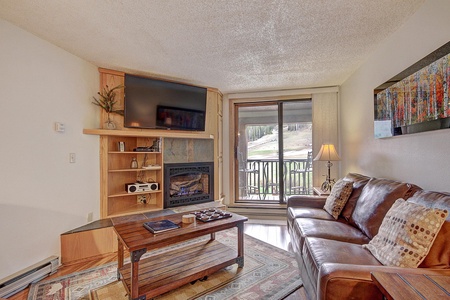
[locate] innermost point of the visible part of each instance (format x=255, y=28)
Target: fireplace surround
x=188, y=183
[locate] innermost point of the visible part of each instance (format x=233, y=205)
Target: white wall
x=421, y=158
x=42, y=195
x=325, y=131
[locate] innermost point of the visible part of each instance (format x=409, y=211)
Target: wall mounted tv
x=157, y=104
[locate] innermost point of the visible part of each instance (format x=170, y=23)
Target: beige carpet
x=216, y=281
x=112, y=291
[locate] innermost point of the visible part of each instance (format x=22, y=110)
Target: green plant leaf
x=106, y=99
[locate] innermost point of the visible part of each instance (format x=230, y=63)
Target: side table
x=412, y=286
x=318, y=191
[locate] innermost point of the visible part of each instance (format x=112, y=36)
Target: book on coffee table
x=160, y=226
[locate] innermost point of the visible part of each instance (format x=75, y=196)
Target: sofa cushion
x=359, y=181
x=306, y=212
x=439, y=255
x=306, y=201
x=406, y=234
x=332, y=230
x=374, y=202
x=317, y=251
x=338, y=197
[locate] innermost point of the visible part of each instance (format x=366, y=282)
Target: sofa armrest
x=306, y=201
x=345, y=281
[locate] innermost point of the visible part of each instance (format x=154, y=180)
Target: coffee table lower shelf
x=164, y=272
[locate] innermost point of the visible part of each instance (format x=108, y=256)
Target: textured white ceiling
x=233, y=45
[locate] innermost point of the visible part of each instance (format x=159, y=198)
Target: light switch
x=60, y=127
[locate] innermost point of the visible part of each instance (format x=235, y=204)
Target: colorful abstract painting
x=420, y=98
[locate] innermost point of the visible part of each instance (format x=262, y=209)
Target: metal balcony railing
x=259, y=180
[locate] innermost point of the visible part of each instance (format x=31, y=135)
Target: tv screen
x=157, y=104
x=180, y=118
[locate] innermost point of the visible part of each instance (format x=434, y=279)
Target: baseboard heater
x=18, y=281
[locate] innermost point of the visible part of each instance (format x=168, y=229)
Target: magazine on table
x=160, y=226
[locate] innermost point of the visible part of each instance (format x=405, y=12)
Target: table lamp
x=327, y=153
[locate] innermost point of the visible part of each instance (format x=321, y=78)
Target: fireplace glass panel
x=188, y=183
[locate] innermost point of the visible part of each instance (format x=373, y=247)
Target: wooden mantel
x=150, y=133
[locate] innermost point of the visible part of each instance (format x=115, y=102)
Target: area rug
x=269, y=273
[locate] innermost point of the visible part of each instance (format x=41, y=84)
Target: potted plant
x=106, y=100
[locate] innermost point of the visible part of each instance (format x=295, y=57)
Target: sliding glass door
x=272, y=150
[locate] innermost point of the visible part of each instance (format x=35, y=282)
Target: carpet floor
x=269, y=273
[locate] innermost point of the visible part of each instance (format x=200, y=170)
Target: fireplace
x=188, y=183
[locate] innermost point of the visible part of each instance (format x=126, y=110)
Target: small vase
x=134, y=163
x=109, y=124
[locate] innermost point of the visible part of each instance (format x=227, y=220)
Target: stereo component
x=141, y=187
x=154, y=186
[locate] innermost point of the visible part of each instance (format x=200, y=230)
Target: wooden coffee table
x=166, y=271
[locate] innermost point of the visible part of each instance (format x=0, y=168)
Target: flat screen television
x=156, y=104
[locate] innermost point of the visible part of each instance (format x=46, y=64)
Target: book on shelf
x=160, y=226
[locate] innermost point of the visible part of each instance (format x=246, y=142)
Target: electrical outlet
x=72, y=158
x=142, y=199
x=90, y=217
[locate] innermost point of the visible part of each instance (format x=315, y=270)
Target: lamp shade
x=327, y=153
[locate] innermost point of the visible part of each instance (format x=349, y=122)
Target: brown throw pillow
x=375, y=200
x=406, y=234
x=338, y=197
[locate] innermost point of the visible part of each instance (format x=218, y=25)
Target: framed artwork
x=417, y=99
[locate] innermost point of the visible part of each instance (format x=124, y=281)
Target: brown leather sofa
x=332, y=262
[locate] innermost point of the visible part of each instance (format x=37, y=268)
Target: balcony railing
x=259, y=180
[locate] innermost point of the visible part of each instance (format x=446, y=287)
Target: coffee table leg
x=135, y=257
x=240, y=258
x=119, y=257
x=135, y=280
x=213, y=236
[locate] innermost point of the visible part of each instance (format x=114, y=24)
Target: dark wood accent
x=167, y=271
x=404, y=286
x=158, y=274
x=134, y=236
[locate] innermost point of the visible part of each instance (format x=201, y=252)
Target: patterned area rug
x=268, y=273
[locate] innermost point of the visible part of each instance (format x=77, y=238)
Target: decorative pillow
x=406, y=234
x=359, y=182
x=338, y=197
